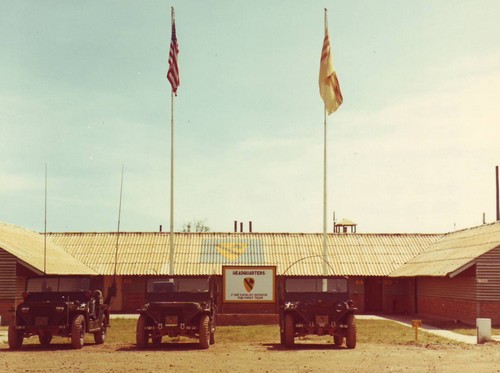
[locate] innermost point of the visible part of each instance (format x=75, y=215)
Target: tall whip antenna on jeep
x=118, y=229
x=112, y=290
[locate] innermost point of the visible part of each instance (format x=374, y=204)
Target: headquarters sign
x=248, y=284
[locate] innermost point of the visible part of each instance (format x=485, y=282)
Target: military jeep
x=59, y=306
x=319, y=306
x=177, y=307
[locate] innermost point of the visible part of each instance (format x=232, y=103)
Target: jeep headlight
x=290, y=305
x=205, y=305
x=25, y=309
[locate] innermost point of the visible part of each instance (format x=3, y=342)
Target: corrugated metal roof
x=206, y=253
x=28, y=246
x=453, y=252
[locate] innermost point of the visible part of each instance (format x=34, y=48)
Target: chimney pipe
x=241, y=227
x=498, y=200
x=235, y=226
x=160, y=228
x=250, y=226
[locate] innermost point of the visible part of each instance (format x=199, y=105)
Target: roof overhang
x=461, y=269
x=29, y=266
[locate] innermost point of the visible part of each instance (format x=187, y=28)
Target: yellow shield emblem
x=231, y=251
x=249, y=283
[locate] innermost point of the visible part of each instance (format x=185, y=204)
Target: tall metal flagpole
x=171, y=238
x=332, y=96
x=173, y=78
x=324, y=181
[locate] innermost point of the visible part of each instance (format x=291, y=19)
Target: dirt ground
x=253, y=357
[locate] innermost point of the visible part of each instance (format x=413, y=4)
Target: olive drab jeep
x=176, y=306
x=60, y=306
x=319, y=306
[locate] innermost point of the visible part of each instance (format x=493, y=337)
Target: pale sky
x=412, y=149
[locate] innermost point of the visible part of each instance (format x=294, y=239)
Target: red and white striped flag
x=173, y=67
x=329, y=87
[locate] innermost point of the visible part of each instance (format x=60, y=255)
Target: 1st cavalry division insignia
x=249, y=283
x=231, y=251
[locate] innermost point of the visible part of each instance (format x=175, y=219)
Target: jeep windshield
x=316, y=285
x=58, y=284
x=178, y=285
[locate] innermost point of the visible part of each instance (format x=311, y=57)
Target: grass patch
x=459, y=327
x=251, y=334
x=389, y=332
x=369, y=331
x=122, y=331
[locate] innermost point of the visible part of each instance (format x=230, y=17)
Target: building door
x=133, y=293
x=373, y=294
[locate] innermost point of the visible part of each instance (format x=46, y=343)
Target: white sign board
x=248, y=284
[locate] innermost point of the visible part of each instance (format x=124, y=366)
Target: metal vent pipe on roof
x=241, y=227
x=235, y=226
x=250, y=226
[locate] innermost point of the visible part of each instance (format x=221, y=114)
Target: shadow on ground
x=302, y=347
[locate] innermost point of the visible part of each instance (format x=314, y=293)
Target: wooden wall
x=8, y=285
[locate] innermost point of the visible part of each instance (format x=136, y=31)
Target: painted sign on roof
x=240, y=250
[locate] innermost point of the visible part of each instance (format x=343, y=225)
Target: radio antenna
x=118, y=229
x=113, y=289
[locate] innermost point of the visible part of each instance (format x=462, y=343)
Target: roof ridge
x=249, y=233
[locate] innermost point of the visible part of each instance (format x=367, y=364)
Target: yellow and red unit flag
x=329, y=87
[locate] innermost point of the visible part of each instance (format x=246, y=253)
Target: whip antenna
x=112, y=290
x=118, y=229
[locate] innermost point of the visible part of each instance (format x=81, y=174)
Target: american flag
x=173, y=68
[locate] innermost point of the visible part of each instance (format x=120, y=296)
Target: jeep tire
x=15, y=337
x=100, y=336
x=141, y=335
x=204, y=332
x=78, y=332
x=289, y=330
x=350, y=337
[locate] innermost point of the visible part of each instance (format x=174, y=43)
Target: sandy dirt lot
x=253, y=357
